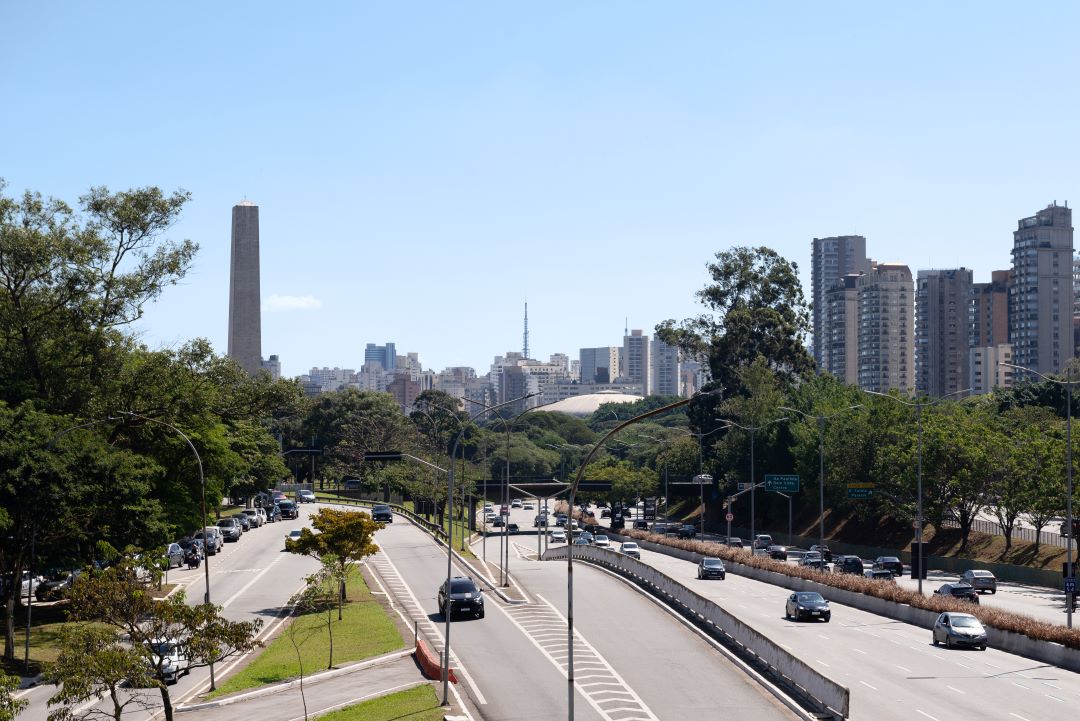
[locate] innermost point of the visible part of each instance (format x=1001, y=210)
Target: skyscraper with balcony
x=989, y=311
x=840, y=352
x=636, y=368
x=245, y=323
x=1041, y=296
x=665, y=368
x=830, y=260
x=942, y=324
x=886, y=329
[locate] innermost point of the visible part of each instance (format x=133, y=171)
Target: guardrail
x=433, y=528
x=821, y=691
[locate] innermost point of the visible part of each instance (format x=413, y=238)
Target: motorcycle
x=193, y=558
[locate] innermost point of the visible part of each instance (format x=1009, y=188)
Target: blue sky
x=422, y=169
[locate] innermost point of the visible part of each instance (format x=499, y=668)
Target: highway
x=632, y=659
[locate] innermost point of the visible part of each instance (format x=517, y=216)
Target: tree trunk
x=1008, y=538
x=965, y=531
x=341, y=599
x=166, y=701
x=118, y=708
x=330, y=633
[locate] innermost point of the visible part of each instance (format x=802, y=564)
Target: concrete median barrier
x=430, y=663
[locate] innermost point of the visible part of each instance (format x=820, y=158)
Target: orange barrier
x=430, y=664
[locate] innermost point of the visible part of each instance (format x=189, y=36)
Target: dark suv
x=848, y=564
x=382, y=514
x=288, y=509
x=889, y=563
x=686, y=530
x=465, y=597
x=962, y=591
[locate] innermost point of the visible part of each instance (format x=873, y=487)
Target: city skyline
x=420, y=177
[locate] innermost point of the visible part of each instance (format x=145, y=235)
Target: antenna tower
x=525, y=338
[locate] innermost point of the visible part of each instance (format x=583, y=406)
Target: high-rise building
x=384, y=355
x=245, y=325
x=886, y=329
x=989, y=312
x=636, y=360
x=599, y=365
x=273, y=367
x=665, y=369
x=942, y=324
x=986, y=372
x=830, y=260
x=1041, y=295
x=840, y=349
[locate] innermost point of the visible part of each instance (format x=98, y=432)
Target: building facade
x=384, y=355
x=599, y=365
x=1041, y=295
x=942, y=331
x=840, y=352
x=830, y=260
x=664, y=359
x=245, y=324
x=985, y=371
x=886, y=329
x=635, y=359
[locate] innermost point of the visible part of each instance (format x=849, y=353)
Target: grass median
x=415, y=704
x=365, y=631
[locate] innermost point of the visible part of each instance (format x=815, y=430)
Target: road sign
x=860, y=490
x=729, y=517
x=744, y=486
x=703, y=479
x=781, y=483
x=1070, y=585
x=504, y=510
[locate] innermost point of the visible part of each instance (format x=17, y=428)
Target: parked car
x=557, y=535
x=686, y=530
x=254, y=517
x=244, y=520
x=55, y=585
x=174, y=554
x=261, y=513
x=382, y=513
x=959, y=629
x=288, y=509
x=168, y=658
x=211, y=538
x=305, y=496
x=848, y=564
x=762, y=540
x=777, y=552
x=273, y=513
x=602, y=541
x=807, y=604
x=278, y=495
x=463, y=596
x=630, y=548
x=980, y=580
x=962, y=591
x=711, y=568
x=353, y=484
x=230, y=529
x=889, y=563
x=824, y=551
x=294, y=535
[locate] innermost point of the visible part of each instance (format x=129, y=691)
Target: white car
x=602, y=541
x=630, y=549
x=305, y=496
x=169, y=654
x=516, y=503
x=528, y=506
x=558, y=535
x=294, y=535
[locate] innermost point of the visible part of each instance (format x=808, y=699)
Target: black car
x=465, y=597
x=733, y=541
x=288, y=509
x=382, y=514
x=175, y=555
x=273, y=513
x=824, y=551
x=55, y=585
x=512, y=528
x=962, y=591
x=777, y=552
x=686, y=530
x=641, y=524
x=244, y=520
x=889, y=563
x=711, y=568
x=605, y=513
x=807, y=604
x=848, y=564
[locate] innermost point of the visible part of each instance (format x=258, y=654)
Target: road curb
x=285, y=686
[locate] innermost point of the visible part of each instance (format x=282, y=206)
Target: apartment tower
x=830, y=260
x=1041, y=296
x=840, y=349
x=942, y=318
x=636, y=367
x=886, y=329
x=245, y=329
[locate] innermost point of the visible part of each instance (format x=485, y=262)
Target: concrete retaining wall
x=828, y=694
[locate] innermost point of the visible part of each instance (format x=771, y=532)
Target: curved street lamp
x=821, y=458
x=1070, y=596
x=753, y=479
x=918, y=406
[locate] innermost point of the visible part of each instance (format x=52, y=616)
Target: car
x=488, y=508
x=263, y=518
x=557, y=535
x=807, y=604
x=602, y=541
x=813, y=559
x=528, y=506
x=733, y=541
x=253, y=517
x=230, y=529
x=605, y=513
x=777, y=552
x=55, y=585
x=463, y=597
x=382, y=513
x=629, y=548
x=244, y=520
x=686, y=530
x=174, y=555
x=880, y=575
x=294, y=535
x=489, y=518
x=711, y=568
x=498, y=522
x=186, y=544
x=288, y=509
x=959, y=629
x=211, y=538
x=962, y=591
x=273, y=513
x=980, y=580
x=305, y=495
x=540, y=521
x=516, y=503
x=588, y=537
x=889, y=563
x=660, y=528
x=560, y=519
x=278, y=496
x=762, y=540
x=627, y=513
x=512, y=528
x=353, y=484
x=824, y=551
x=167, y=657
x=848, y=564
x=579, y=541
x=641, y=524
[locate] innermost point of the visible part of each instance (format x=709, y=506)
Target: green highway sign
x=784, y=484
x=860, y=490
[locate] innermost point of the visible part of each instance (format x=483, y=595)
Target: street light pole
x=753, y=478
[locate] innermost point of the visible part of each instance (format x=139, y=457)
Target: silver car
x=959, y=629
x=980, y=580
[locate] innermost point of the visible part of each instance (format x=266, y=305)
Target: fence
x=993, y=528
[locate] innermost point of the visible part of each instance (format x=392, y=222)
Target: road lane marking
x=933, y=718
x=823, y=663
x=1055, y=698
x=872, y=688
x=904, y=669
x=251, y=583
x=953, y=688
x=859, y=650
x=1014, y=683
x=1019, y=716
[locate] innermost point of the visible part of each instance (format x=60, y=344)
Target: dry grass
x=996, y=618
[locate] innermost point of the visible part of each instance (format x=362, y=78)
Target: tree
x=95, y=662
x=345, y=535
x=118, y=597
x=9, y=705
x=755, y=307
